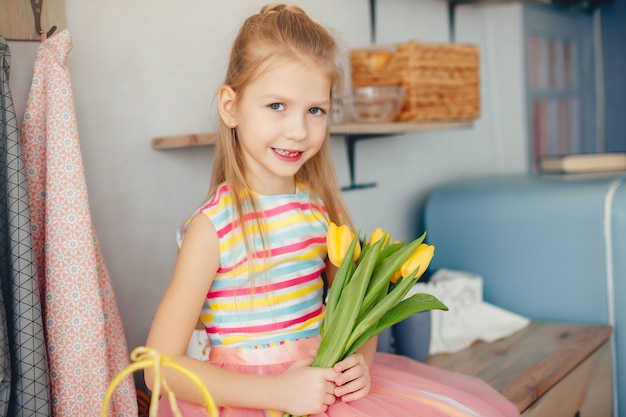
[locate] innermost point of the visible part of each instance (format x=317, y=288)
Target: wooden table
x=546, y=369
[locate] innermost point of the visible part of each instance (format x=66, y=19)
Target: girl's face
x=282, y=118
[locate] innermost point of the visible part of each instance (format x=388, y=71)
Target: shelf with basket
x=441, y=92
x=440, y=85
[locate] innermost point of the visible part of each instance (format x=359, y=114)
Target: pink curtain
x=84, y=333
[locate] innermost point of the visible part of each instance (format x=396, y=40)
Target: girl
x=251, y=258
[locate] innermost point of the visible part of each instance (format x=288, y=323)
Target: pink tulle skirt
x=400, y=387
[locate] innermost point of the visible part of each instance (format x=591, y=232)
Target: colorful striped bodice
x=283, y=301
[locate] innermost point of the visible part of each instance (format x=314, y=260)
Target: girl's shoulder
x=221, y=199
x=217, y=209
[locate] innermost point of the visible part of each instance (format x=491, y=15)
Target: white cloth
x=469, y=317
x=199, y=345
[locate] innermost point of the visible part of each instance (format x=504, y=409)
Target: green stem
x=346, y=311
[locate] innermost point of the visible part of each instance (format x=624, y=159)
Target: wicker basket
x=441, y=80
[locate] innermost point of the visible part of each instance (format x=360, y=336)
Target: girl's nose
x=296, y=128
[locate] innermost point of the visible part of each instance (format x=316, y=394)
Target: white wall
x=150, y=68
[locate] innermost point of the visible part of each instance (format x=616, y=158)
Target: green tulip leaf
x=365, y=247
x=389, y=250
x=345, y=270
x=417, y=303
x=346, y=311
x=371, y=316
x=379, y=282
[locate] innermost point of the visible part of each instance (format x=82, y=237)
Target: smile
x=286, y=153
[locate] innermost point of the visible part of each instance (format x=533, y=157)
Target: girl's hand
x=306, y=390
x=353, y=381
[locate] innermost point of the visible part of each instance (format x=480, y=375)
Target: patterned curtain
x=24, y=389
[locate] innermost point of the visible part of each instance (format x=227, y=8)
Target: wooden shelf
x=396, y=128
x=358, y=129
x=184, y=141
x=351, y=132
x=354, y=132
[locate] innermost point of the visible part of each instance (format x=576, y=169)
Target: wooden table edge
x=533, y=383
x=560, y=347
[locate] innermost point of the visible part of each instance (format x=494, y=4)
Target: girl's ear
x=226, y=105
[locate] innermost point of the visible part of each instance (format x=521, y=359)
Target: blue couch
x=549, y=247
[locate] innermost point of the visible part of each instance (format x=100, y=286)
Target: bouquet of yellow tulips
x=368, y=292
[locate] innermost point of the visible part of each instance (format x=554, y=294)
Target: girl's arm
x=301, y=390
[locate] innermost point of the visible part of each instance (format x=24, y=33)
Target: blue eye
x=277, y=106
x=317, y=111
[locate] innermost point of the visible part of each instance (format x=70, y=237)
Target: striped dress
x=283, y=300
x=262, y=326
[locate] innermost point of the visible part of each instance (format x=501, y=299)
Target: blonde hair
x=278, y=31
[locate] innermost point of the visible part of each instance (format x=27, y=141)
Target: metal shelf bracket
x=351, y=141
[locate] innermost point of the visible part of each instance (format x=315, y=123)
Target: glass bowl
x=376, y=103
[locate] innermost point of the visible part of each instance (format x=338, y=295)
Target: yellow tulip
x=379, y=234
x=338, y=240
x=376, y=235
x=419, y=259
x=395, y=277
